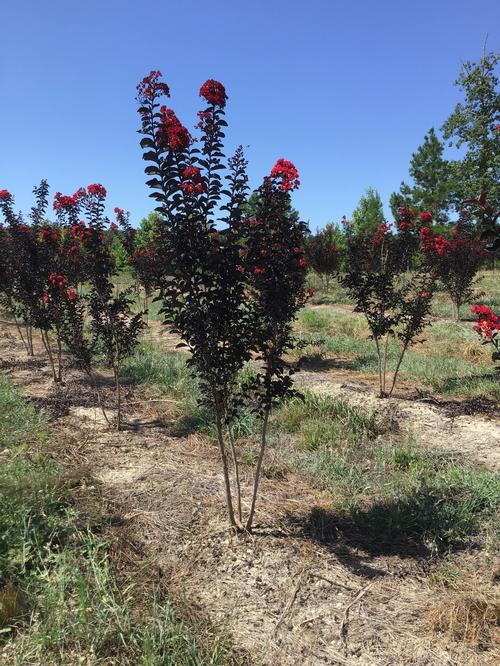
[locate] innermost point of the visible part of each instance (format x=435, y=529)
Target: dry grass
x=472, y=617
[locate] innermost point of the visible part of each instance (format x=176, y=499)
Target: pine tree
x=432, y=184
x=474, y=125
x=369, y=212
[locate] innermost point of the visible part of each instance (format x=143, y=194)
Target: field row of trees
x=229, y=270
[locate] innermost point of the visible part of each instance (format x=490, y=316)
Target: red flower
x=287, y=173
x=425, y=217
x=482, y=310
x=406, y=213
x=151, y=86
x=44, y=298
x=258, y=271
x=440, y=245
x=488, y=323
x=113, y=226
x=424, y=294
x=303, y=262
x=5, y=195
x=242, y=252
x=194, y=182
x=64, y=201
x=97, y=190
x=296, y=250
x=214, y=92
x=71, y=294
x=57, y=280
x=205, y=123
x=379, y=236
x=80, y=193
x=172, y=131
x=121, y=216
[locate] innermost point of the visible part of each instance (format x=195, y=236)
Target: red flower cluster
x=406, y=217
x=46, y=235
x=425, y=217
x=432, y=243
x=121, y=217
x=97, y=190
x=81, y=231
x=193, y=181
x=71, y=294
x=406, y=213
x=57, y=280
x=67, y=201
x=5, y=195
x=214, y=92
x=379, y=235
x=205, y=122
x=287, y=173
x=488, y=322
x=172, y=130
x=150, y=86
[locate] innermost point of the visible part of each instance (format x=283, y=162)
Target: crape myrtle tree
x=144, y=251
x=274, y=263
x=488, y=329
x=40, y=276
x=25, y=274
x=396, y=304
x=113, y=327
x=323, y=254
x=215, y=283
x=455, y=259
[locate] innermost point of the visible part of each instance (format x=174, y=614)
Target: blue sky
x=346, y=90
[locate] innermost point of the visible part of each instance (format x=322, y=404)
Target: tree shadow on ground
x=463, y=384
x=414, y=526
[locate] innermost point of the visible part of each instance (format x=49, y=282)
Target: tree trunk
x=258, y=471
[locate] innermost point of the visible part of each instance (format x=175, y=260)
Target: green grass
x=60, y=601
x=321, y=420
x=451, y=361
x=20, y=421
x=396, y=497
x=167, y=373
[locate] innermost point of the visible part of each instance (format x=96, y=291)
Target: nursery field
x=227, y=440
x=376, y=541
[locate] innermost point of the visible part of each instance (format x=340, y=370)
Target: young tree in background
x=369, y=213
x=474, y=125
x=147, y=230
x=322, y=252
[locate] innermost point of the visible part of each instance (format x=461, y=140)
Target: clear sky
x=346, y=90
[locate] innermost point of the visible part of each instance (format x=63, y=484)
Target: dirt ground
x=297, y=591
